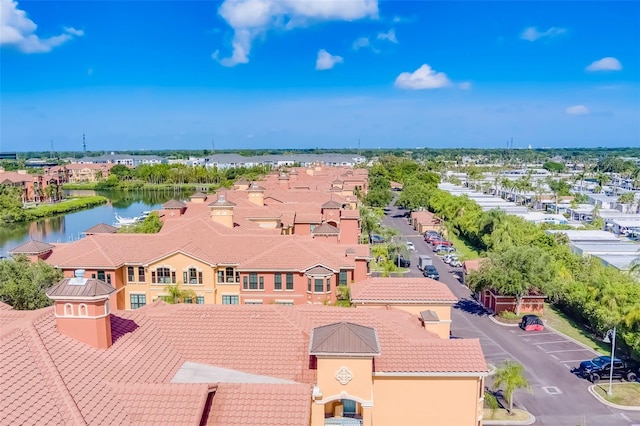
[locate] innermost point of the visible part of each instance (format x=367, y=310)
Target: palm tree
x=177, y=294
x=510, y=374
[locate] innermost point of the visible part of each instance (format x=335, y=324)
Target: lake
x=69, y=227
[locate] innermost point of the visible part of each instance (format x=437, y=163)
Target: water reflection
x=69, y=227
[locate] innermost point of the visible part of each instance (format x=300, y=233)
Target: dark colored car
x=432, y=237
x=430, y=271
x=402, y=261
x=377, y=239
x=531, y=323
x=600, y=368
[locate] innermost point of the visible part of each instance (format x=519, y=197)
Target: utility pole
x=51, y=153
x=613, y=351
x=84, y=143
x=358, y=146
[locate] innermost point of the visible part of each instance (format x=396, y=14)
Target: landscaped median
x=624, y=396
x=503, y=417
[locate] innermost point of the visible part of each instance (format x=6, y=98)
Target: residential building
x=83, y=362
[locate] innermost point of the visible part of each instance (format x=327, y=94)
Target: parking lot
x=556, y=347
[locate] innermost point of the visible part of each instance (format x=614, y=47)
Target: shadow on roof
x=121, y=326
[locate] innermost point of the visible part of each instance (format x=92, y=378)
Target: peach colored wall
x=331, y=214
x=256, y=198
x=302, y=228
x=92, y=331
x=360, y=385
x=222, y=216
x=420, y=401
x=349, y=231
x=299, y=294
x=360, y=272
x=180, y=263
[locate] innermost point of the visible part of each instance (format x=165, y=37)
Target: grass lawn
x=623, y=393
x=466, y=250
x=559, y=321
x=502, y=414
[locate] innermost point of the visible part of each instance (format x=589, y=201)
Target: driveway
x=558, y=397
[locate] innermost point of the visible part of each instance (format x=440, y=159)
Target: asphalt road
x=558, y=397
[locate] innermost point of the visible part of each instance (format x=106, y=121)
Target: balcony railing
x=342, y=421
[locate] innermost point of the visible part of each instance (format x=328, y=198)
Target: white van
x=424, y=260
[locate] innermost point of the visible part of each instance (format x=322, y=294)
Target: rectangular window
x=199, y=277
x=140, y=274
x=220, y=276
x=289, y=281
x=261, y=283
x=188, y=300
x=318, y=285
x=164, y=275
x=253, y=281
x=229, y=300
x=108, y=278
x=131, y=277
x=200, y=300
x=237, y=277
x=277, y=281
x=253, y=302
x=101, y=275
x=193, y=276
x=173, y=277
x=343, y=277
x=138, y=300
x=328, y=284
x=245, y=284
x=228, y=275
x=185, y=278
x=284, y=302
x=309, y=285
x=153, y=277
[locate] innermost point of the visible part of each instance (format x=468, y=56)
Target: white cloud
x=326, y=60
x=16, y=29
x=577, y=110
x=605, y=64
x=423, y=78
x=360, y=43
x=532, y=33
x=252, y=18
x=388, y=36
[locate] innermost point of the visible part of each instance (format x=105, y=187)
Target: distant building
x=126, y=159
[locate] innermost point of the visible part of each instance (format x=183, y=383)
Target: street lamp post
x=613, y=351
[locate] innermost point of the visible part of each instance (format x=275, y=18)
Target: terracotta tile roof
x=308, y=218
x=472, y=265
x=332, y=204
x=326, y=229
x=79, y=286
x=173, y=204
x=221, y=201
x=101, y=228
x=15, y=177
x=282, y=405
x=32, y=247
x=401, y=290
x=254, y=187
x=344, y=338
x=349, y=214
x=169, y=404
x=198, y=194
x=5, y=307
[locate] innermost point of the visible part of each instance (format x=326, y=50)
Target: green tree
x=515, y=271
x=177, y=294
x=150, y=225
x=370, y=220
x=510, y=375
x=23, y=283
x=553, y=167
x=627, y=198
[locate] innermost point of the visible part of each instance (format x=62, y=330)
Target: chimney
x=222, y=211
x=256, y=194
x=283, y=181
x=81, y=308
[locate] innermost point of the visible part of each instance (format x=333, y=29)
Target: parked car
x=441, y=243
x=430, y=271
x=377, y=239
x=600, y=368
x=401, y=261
x=423, y=261
x=432, y=233
x=441, y=248
x=452, y=259
x=411, y=246
x=531, y=323
x=431, y=237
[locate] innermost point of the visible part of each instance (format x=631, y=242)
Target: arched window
x=82, y=310
x=68, y=310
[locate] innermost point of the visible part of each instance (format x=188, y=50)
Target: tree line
x=521, y=257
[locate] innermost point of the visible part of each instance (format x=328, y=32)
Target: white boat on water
x=126, y=220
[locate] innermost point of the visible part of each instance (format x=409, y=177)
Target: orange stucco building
x=82, y=362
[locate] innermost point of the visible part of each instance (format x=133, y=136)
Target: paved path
x=559, y=398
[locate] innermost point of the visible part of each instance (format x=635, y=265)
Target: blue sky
x=306, y=74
